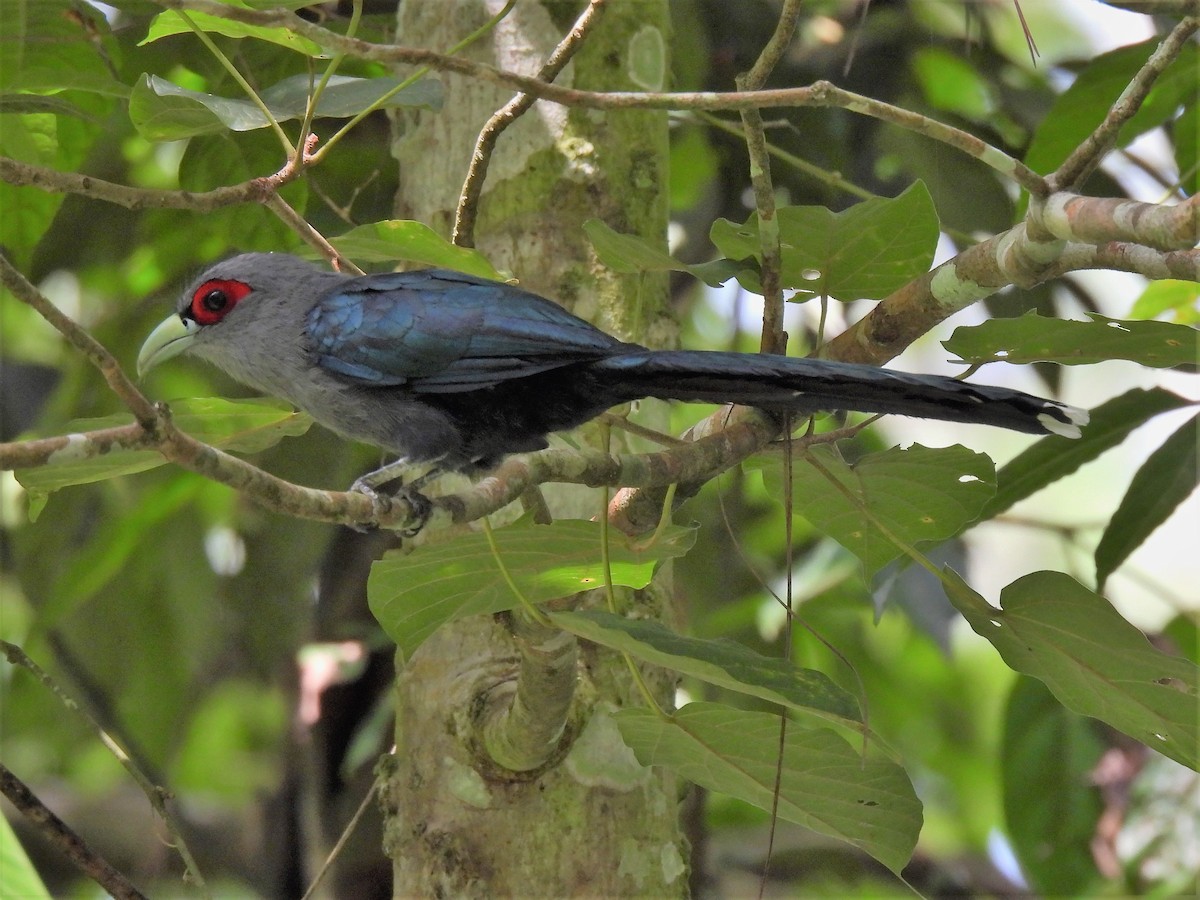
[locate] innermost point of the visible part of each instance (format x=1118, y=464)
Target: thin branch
x=775, y=48
x=157, y=796
x=92, y=350
x=485, y=144
x=61, y=835
x=774, y=340
x=256, y=190
x=830, y=179
x=1084, y=158
x=818, y=94
x=344, y=838
x=310, y=235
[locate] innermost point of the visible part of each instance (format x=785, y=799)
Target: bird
x=456, y=372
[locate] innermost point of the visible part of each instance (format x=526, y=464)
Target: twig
x=1084, y=158
x=830, y=179
x=256, y=190
x=485, y=144
x=92, y=350
x=818, y=94
x=310, y=235
x=774, y=340
x=156, y=795
x=342, y=840
x=62, y=836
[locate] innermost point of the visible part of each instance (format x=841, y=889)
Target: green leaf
x=49, y=47
x=1164, y=481
x=107, y=552
x=1187, y=147
x=825, y=784
x=1082, y=107
x=1055, y=457
x=720, y=662
x=169, y=23
x=1096, y=663
x=918, y=495
x=1034, y=338
x=21, y=880
x=163, y=111
x=396, y=239
x=1176, y=297
x=411, y=595
x=630, y=254
x=951, y=83
x=247, y=426
x=693, y=166
x=865, y=252
x=1051, y=805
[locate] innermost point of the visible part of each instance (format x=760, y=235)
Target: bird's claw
x=381, y=505
x=421, y=508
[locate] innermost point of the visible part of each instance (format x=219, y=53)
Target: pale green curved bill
x=169, y=339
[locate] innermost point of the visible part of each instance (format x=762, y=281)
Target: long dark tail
x=803, y=386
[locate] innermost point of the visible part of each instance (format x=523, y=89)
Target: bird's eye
x=213, y=300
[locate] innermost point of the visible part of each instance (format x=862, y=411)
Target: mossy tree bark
x=591, y=821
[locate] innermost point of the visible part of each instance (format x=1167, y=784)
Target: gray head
x=245, y=315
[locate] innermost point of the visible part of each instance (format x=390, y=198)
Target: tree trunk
x=591, y=821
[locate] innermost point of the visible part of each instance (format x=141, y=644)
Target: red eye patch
x=214, y=299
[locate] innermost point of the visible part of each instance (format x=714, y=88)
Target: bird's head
x=237, y=311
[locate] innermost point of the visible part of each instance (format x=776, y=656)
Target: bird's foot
x=381, y=504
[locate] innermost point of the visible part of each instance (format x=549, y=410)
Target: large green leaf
x=1187, y=147
x=825, y=784
x=1082, y=107
x=397, y=239
x=1055, y=457
x=721, y=662
x=630, y=253
x=864, y=252
x=1096, y=663
x=247, y=426
x=412, y=594
x=917, y=495
x=1179, y=298
x=1163, y=482
x=21, y=879
x=169, y=23
x=1034, y=338
x=55, y=45
x=163, y=111
x=1051, y=805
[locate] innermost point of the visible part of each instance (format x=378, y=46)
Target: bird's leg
x=369, y=484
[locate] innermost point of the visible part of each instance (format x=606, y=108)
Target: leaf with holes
x=411, y=595
x=826, y=785
x=1096, y=663
x=864, y=252
x=720, y=662
x=915, y=495
x=1033, y=338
